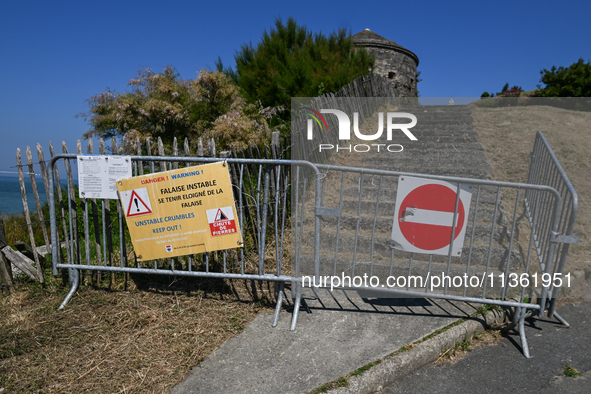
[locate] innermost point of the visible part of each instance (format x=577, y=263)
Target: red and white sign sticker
x=136, y=202
x=221, y=221
x=424, y=216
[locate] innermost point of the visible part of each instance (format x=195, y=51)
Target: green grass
x=488, y=307
x=571, y=372
x=367, y=367
x=464, y=346
x=340, y=382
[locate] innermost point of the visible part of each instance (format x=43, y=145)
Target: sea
x=11, y=202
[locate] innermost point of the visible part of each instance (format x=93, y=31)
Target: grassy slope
x=508, y=135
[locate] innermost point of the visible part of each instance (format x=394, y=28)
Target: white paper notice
x=97, y=175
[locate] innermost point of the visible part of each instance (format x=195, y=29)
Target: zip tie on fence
x=321, y=175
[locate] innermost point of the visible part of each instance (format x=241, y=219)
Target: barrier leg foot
x=522, y=336
x=561, y=320
x=74, y=281
x=296, y=306
x=279, y=295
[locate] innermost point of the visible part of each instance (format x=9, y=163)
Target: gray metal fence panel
x=546, y=170
x=332, y=232
x=488, y=249
x=261, y=188
x=357, y=210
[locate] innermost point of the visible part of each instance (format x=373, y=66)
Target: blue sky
x=56, y=54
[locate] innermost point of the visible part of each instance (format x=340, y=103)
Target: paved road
x=502, y=368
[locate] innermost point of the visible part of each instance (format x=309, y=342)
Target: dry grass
x=508, y=135
x=461, y=350
x=118, y=341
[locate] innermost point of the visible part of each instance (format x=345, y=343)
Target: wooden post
x=5, y=269
x=43, y=168
x=211, y=147
x=149, y=153
x=161, y=153
x=249, y=190
x=187, y=151
x=200, y=147
x=36, y=196
x=21, y=179
x=275, y=152
x=175, y=153
x=126, y=145
x=139, y=163
x=5, y=278
x=20, y=261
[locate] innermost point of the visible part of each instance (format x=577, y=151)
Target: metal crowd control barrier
x=348, y=231
x=261, y=189
x=357, y=208
x=546, y=170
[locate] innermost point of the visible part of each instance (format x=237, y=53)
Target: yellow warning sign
x=180, y=212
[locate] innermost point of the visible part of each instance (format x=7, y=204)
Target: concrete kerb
x=403, y=362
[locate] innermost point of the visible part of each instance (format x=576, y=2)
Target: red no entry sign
x=424, y=216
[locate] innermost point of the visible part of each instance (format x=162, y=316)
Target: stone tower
x=392, y=61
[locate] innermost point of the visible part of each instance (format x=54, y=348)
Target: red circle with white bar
x=426, y=215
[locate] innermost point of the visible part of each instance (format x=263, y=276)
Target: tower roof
x=368, y=38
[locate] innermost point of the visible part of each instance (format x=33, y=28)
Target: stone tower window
x=391, y=74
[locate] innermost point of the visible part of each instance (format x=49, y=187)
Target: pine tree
x=290, y=61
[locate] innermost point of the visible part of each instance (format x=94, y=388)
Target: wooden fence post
x=21, y=179
x=139, y=168
x=175, y=153
x=161, y=153
x=36, y=196
x=200, y=147
x=5, y=270
x=187, y=151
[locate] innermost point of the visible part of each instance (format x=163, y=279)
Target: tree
x=572, y=81
x=515, y=91
x=159, y=104
x=164, y=105
x=292, y=62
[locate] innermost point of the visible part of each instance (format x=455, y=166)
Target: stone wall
x=394, y=62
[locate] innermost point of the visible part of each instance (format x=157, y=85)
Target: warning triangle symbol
x=137, y=206
x=220, y=216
